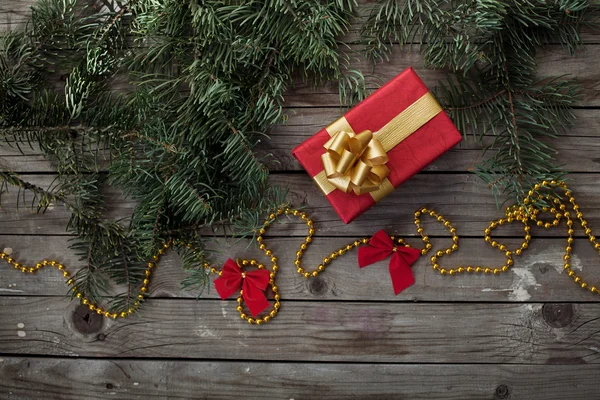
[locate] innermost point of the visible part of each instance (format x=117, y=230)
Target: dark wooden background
x=527, y=334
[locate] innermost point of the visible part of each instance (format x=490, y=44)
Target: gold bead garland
x=526, y=214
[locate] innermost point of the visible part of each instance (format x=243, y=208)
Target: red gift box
x=406, y=119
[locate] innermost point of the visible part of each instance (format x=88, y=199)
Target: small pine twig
x=478, y=104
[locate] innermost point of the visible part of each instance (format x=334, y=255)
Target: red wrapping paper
x=406, y=159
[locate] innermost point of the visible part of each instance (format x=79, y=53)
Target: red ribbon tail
x=254, y=298
x=401, y=273
x=230, y=280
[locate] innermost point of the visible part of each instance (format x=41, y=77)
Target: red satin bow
x=379, y=248
x=253, y=284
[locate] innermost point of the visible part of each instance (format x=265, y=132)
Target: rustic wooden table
x=527, y=334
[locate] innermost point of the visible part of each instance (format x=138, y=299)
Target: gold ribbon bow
x=355, y=162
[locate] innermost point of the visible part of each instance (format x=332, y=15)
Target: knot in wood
x=502, y=392
x=87, y=322
x=317, y=286
x=558, y=315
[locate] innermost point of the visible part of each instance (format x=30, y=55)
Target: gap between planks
x=74, y=379
x=338, y=331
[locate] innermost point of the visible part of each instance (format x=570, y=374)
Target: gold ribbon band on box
x=356, y=162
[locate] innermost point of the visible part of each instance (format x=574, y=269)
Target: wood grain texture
x=396, y=332
x=527, y=334
x=577, y=150
x=554, y=60
x=149, y=379
x=537, y=276
x=14, y=13
x=463, y=198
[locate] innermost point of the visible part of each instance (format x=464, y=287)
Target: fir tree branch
x=478, y=104
x=246, y=146
x=208, y=79
x=492, y=45
x=113, y=22
x=171, y=148
x=515, y=127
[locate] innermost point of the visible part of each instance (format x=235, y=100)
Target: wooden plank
x=588, y=33
x=11, y=159
x=55, y=219
x=308, y=121
x=15, y=13
x=398, y=332
x=463, y=198
x=553, y=60
x=133, y=379
x=537, y=276
x=578, y=148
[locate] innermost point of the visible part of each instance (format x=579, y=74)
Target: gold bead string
x=297, y=262
x=527, y=214
x=142, y=293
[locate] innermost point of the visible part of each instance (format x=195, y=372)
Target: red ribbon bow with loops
x=380, y=247
x=253, y=284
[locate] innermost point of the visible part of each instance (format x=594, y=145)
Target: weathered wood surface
x=527, y=334
x=553, y=59
x=578, y=149
x=462, y=197
x=551, y=333
x=14, y=13
x=537, y=276
x=143, y=379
